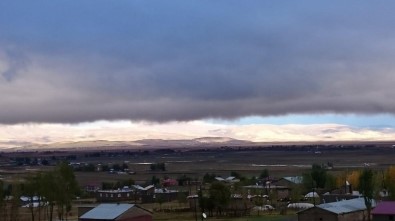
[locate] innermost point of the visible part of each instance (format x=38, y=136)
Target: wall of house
x=355, y=216
x=383, y=217
x=138, y=218
x=316, y=214
x=282, y=193
x=115, y=196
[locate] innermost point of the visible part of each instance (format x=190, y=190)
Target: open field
x=247, y=163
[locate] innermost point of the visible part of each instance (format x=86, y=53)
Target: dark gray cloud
x=73, y=61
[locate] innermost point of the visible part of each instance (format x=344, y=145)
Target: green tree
x=68, y=188
x=29, y=189
x=2, y=201
x=264, y=174
x=390, y=182
x=14, y=202
x=366, y=188
x=58, y=188
x=308, y=182
x=330, y=182
x=155, y=181
x=49, y=192
x=209, y=178
x=296, y=193
x=220, y=196
x=318, y=174
x=315, y=178
x=235, y=174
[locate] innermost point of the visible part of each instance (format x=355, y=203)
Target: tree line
x=46, y=192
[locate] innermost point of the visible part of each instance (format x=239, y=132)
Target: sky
x=258, y=70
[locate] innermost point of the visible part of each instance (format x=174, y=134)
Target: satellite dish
x=204, y=215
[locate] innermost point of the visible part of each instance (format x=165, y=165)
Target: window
x=128, y=195
x=101, y=194
x=119, y=195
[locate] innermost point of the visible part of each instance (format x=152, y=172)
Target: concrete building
x=116, y=212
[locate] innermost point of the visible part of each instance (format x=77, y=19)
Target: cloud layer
x=78, y=61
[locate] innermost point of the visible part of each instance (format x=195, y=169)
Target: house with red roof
x=384, y=211
x=169, y=182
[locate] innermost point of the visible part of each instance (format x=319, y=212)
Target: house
x=169, y=182
x=117, y=212
x=35, y=201
x=384, y=211
x=346, y=210
x=230, y=179
x=124, y=194
x=148, y=190
x=167, y=195
x=282, y=192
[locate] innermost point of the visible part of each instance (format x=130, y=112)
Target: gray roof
x=346, y=206
x=107, y=211
x=294, y=179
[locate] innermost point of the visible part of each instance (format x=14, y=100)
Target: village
x=128, y=187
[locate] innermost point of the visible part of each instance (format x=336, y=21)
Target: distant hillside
x=202, y=142
x=198, y=142
x=151, y=143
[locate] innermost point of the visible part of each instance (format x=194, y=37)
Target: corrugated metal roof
x=345, y=206
x=107, y=211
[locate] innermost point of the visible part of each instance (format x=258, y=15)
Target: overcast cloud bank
x=79, y=61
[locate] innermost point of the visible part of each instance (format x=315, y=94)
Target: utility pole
x=195, y=205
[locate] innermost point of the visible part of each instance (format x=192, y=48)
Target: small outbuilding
x=384, y=211
x=312, y=195
x=117, y=212
x=346, y=210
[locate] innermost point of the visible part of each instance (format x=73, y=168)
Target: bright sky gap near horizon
x=256, y=70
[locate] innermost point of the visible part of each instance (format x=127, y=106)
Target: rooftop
x=107, y=211
x=345, y=206
x=294, y=179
